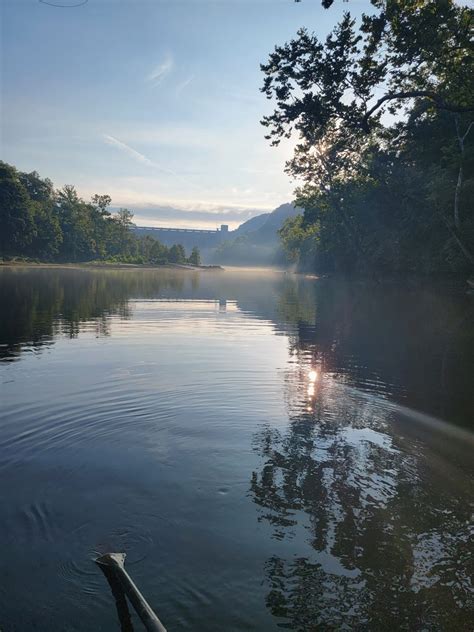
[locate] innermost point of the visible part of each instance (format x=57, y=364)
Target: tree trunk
x=457, y=191
x=352, y=234
x=457, y=239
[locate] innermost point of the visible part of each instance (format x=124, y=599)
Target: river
x=271, y=451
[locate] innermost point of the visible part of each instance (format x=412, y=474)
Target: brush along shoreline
x=103, y=265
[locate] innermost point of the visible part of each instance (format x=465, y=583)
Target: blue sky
x=154, y=102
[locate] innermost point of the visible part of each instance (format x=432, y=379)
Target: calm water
x=270, y=451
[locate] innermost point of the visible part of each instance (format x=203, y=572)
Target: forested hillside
x=41, y=223
x=256, y=241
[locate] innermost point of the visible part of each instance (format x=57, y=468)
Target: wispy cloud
x=133, y=153
x=170, y=135
x=161, y=71
x=136, y=155
x=144, y=160
x=184, y=84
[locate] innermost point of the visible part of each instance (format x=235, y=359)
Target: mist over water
x=269, y=450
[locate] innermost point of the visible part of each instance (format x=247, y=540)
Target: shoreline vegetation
x=105, y=265
x=383, y=110
x=40, y=223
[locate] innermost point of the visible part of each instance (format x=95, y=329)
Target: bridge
x=223, y=229
x=187, y=237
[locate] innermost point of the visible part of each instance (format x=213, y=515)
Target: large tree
x=415, y=51
x=409, y=58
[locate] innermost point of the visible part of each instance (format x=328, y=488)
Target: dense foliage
x=39, y=222
x=383, y=110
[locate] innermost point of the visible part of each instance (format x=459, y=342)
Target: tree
x=408, y=50
x=124, y=217
x=38, y=189
x=408, y=58
x=177, y=254
x=101, y=204
x=300, y=241
x=16, y=214
x=195, y=257
x=159, y=253
x=102, y=224
x=76, y=224
x=123, y=221
x=37, y=221
x=48, y=235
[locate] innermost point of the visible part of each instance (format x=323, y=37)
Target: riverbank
x=103, y=265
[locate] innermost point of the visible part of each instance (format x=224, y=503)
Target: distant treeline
x=41, y=223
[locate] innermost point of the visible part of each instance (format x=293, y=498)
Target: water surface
x=270, y=451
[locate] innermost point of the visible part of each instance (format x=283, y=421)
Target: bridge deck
x=180, y=230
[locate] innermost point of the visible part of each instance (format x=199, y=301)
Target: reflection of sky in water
x=218, y=431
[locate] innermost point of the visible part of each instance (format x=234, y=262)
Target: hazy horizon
x=192, y=217
x=156, y=104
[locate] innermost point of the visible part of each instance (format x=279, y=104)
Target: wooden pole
x=121, y=602
x=115, y=562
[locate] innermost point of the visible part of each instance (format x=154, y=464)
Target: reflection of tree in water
x=37, y=305
x=412, y=343
x=379, y=527
x=415, y=344
x=379, y=530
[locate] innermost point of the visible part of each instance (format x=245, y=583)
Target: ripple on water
x=37, y=521
x=125, y=405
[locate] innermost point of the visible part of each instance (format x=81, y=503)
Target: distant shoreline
x=95, y=265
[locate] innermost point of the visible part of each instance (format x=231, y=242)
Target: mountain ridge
x=256, y=242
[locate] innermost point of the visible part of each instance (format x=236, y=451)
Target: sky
x=154, y=102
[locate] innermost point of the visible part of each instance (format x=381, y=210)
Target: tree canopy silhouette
x=370, y=93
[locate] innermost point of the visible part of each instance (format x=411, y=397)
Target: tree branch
x=411, y=94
